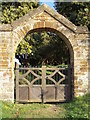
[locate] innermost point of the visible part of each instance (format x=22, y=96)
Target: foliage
x=24, y=47
x=47, y=48
x=76, y=12
x=14, y=10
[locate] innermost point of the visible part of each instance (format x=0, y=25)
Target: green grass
x=77, y=108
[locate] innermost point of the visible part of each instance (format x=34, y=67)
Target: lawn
x=78, y=108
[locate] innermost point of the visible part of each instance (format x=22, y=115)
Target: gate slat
x=43, y=83
x=17, y=83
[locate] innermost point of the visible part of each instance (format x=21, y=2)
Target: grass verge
x=76, y=109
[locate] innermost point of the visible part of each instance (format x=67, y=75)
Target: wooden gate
x=42, y=84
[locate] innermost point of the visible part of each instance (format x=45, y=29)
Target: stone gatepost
x=6, y=63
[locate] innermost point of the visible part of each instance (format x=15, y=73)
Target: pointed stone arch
x=45, y=18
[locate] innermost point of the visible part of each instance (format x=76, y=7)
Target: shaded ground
x=77, y=108
x=31, y=111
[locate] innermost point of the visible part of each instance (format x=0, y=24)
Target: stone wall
x=81, y=67
x=44, y=18
x=6, y=64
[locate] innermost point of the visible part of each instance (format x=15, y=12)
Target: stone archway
x=43, y=18
x=71, y=52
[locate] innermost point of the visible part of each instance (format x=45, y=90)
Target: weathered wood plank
x=55, y=68
x=43, y=83
x=17, y=83
x=29, y=68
